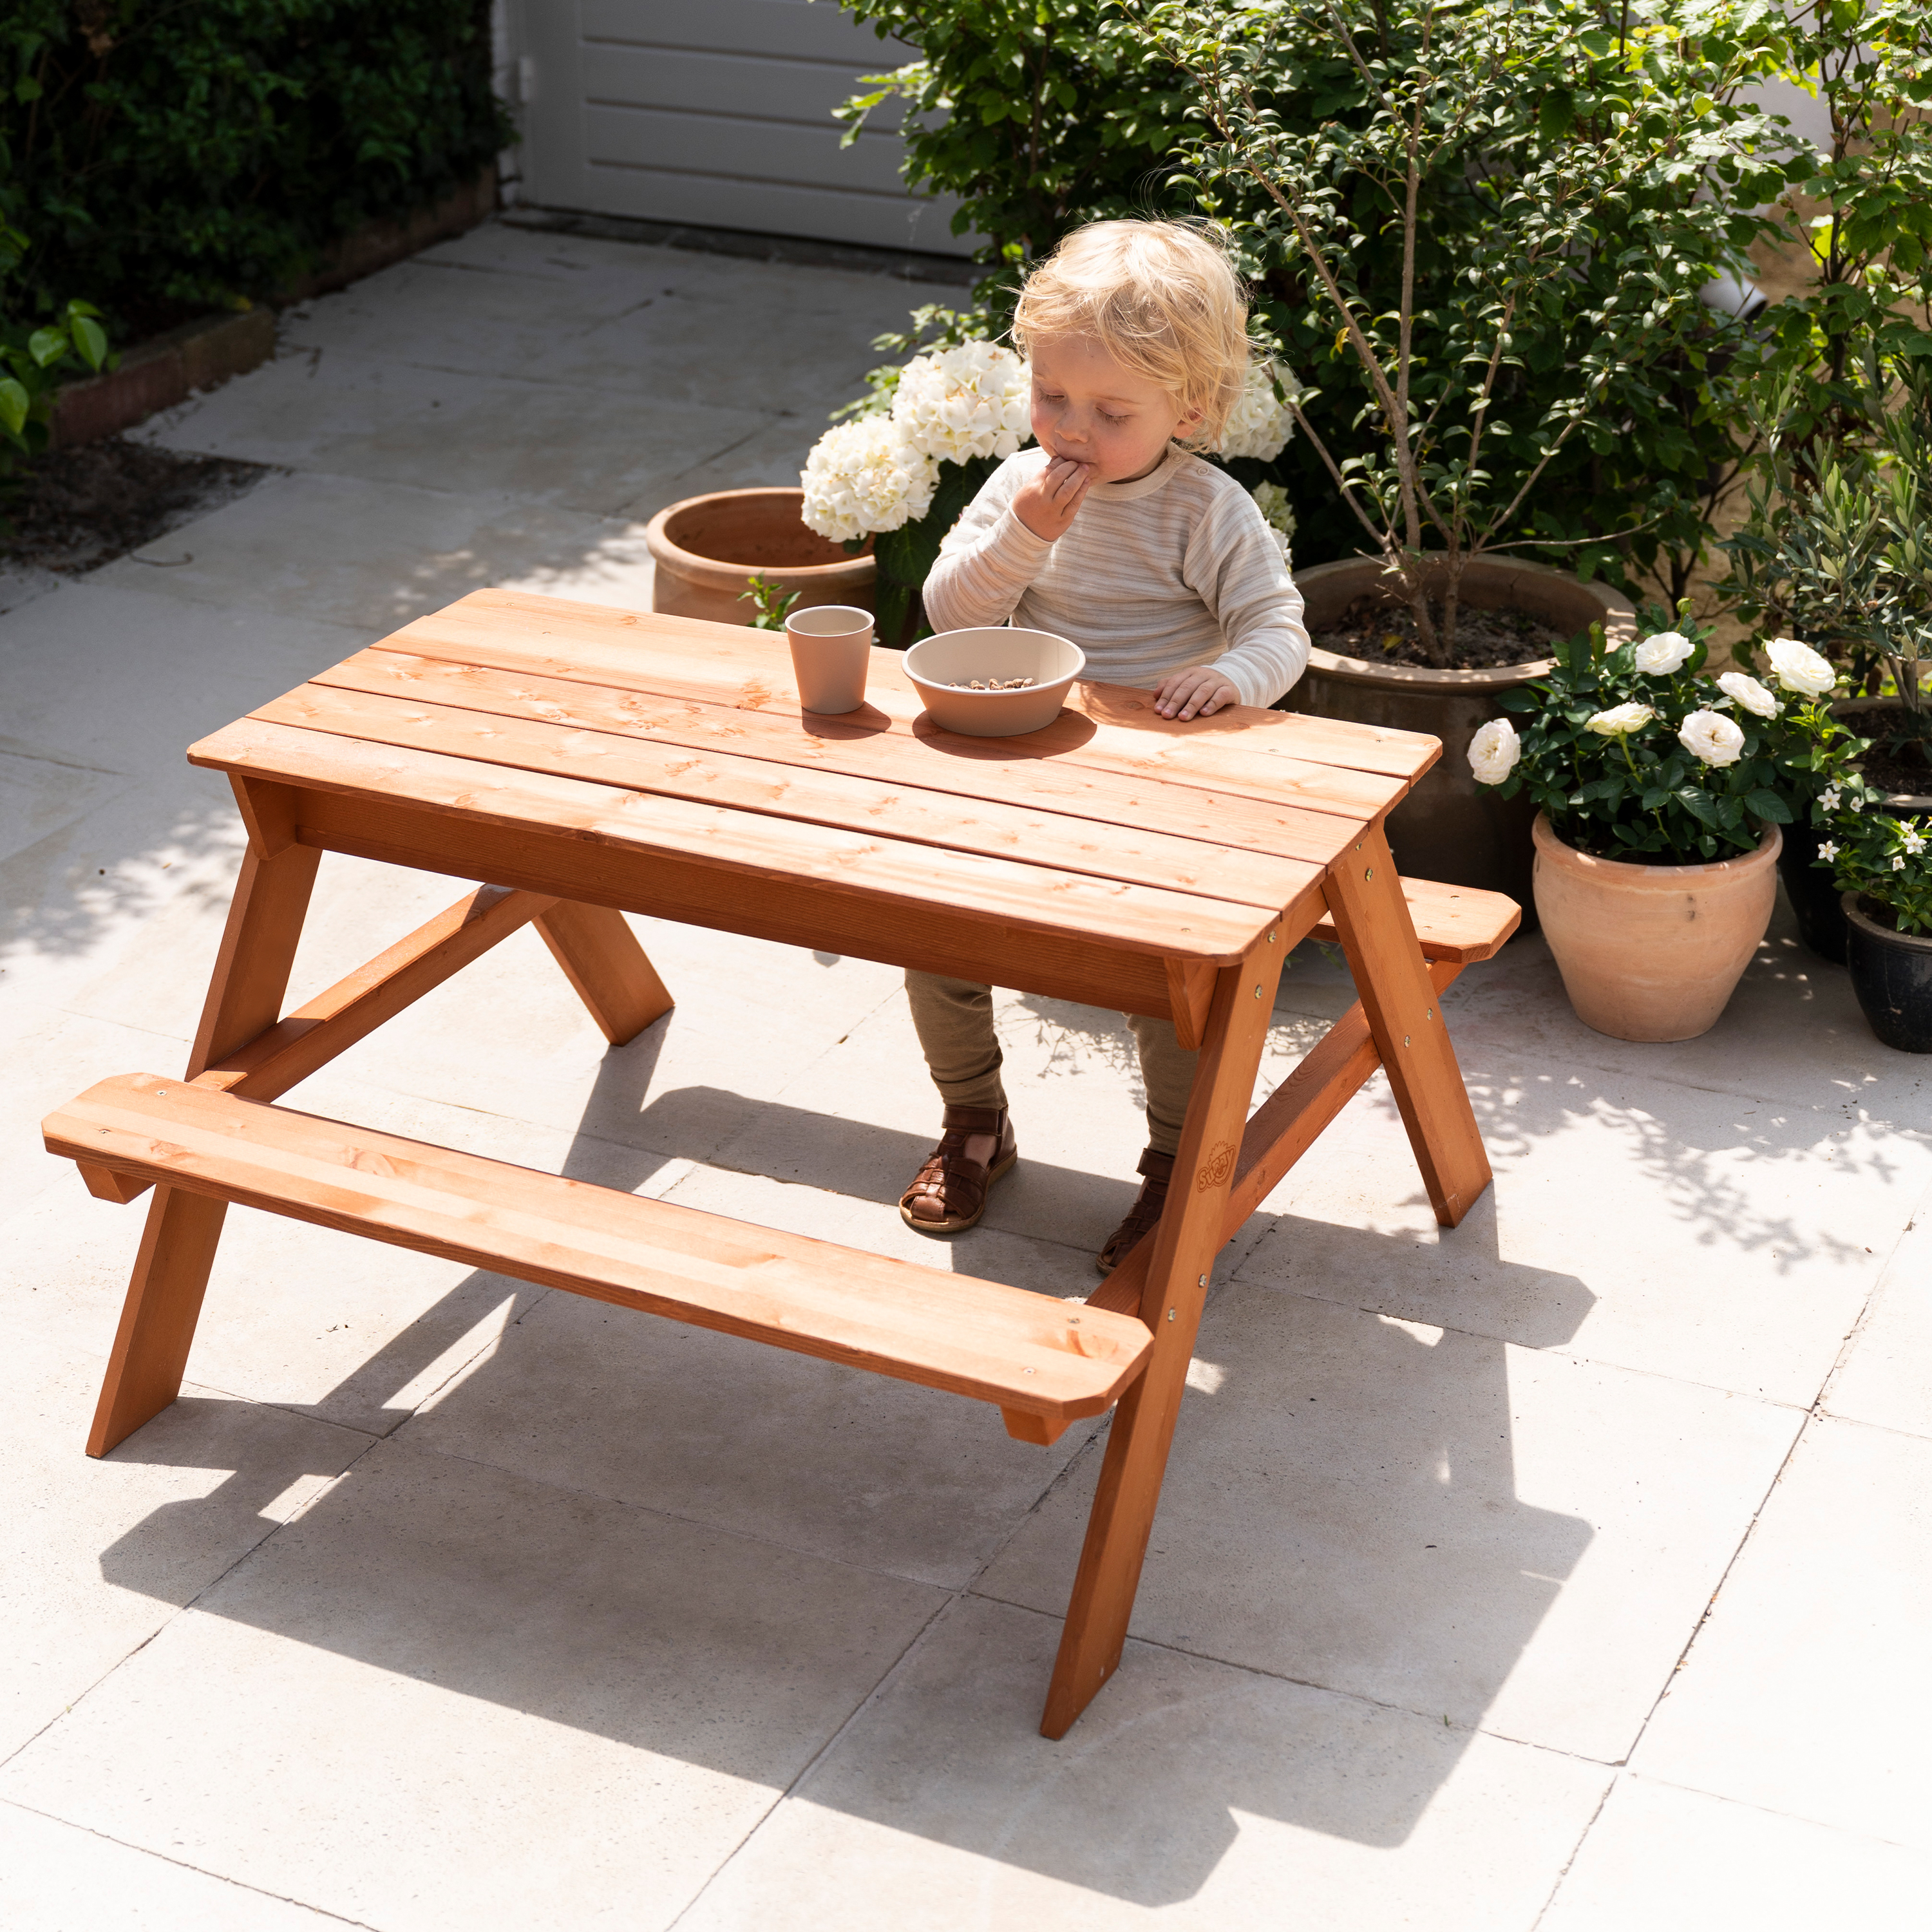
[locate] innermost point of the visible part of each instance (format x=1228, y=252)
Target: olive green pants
x=954, y=1018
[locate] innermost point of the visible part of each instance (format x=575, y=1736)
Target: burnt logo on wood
x=1220, y=1163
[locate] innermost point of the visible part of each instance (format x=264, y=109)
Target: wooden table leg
x=245, y=998
x=1190, y=1235
x=1405, y=1016
x=602, y=959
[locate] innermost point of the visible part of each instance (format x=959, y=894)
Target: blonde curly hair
x=1161, y=298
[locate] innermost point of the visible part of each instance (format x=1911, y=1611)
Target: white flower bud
x=1494, y=751
x=1749, y=693
x=1621, y=720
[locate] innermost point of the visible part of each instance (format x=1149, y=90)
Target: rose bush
x=1634, y=754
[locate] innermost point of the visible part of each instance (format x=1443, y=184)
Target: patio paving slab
x=445, y=1696
x=378, y=554
x=1634, y=1220
x=205, y=1482
x=1886, y=1377
x=1809, y=1691
x=1674, y=1860
x=54, y=1878
x=1519, y=1541
x=1192, y=1795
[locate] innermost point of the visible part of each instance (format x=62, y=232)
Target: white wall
x=717, y=112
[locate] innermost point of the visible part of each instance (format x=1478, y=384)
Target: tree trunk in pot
x=1652, y=952
x=1446, y=829
x=706, y=549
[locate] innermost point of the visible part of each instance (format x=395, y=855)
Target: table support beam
x=602, y=959
x=1181, y=1259
x=1405, y=1017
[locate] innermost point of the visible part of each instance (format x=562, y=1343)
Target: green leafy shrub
x=34, y=359
x=1041, y=114
x=164, y=158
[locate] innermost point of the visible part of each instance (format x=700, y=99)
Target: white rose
x=1621, y=720
x=1494, y=751
x=1711, y=736
x=1749, y=693
x=863, y=477
x=973, y=400
x=1260, y=424
x=1799, y=668
x=1662, y=654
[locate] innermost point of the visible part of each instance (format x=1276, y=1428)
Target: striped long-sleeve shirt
x=1176, y=568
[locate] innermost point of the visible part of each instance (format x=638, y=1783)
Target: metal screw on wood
x=1405, y=1039
x=1368, y=872
x=1204, y=1281
x=1170, y=1315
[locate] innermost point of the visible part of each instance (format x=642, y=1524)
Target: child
x=1159, y=565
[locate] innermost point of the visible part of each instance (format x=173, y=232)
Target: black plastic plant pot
x=1814, y=899
x=1892, y=973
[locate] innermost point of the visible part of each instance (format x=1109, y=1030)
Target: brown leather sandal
x=976, y=1147
x=1143, y=1215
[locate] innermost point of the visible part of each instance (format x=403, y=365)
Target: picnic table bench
x=583, y=762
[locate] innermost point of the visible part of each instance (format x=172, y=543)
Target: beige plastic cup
x=831, y=652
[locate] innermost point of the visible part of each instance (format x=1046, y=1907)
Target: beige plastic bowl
x=938, y=665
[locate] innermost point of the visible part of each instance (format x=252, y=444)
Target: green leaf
x=47, y=346
x=14, y=404
x=1767, y=806
x=91, y=339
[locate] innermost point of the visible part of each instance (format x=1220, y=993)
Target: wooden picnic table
x=583, y=762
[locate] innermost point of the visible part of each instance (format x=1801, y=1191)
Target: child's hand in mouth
x=1048, y=505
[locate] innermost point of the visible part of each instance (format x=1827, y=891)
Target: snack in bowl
x=993, y=681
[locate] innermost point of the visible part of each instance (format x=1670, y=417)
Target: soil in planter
x=73, y=510
x=1382, y=633
x=1892, y=763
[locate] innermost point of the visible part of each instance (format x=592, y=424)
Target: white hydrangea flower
x=1260, y=424
x=862, y=477
x=1271, y=499
x=1494, y=751
x=1827, y=850
x=1799, y=668
x=1749, y=693
x=1662, y=654
x=1711, y=737
x=1621, y=720
x=954, y=404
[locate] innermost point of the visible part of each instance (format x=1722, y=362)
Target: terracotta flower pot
x=1652, y=952
x=707, y=547
x=1446, y=829
x=1891, y=974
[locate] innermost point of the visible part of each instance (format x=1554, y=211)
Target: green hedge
x=165, y=157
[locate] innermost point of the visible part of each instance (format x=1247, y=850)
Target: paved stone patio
x=1570, y=1570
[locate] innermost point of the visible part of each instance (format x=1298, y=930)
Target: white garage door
x=717, y=112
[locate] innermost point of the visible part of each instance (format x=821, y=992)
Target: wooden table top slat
x=1367, y=747
x=1101, y=912
x=791, y=791
x=864, y=745
x=1246, y=753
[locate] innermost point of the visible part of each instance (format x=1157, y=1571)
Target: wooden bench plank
x=1240, y=751
x=1453, y=922
x=1381, y=749
x=866, y=745
x=746, y=845
x=816, y=796
x=1025, y=1352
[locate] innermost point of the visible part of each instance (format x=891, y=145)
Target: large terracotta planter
x=1446, y=829
x=707, y=547
x=1652, y=952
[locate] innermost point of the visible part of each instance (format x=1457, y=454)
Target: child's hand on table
x=1047, y=505
x=1198, y=691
